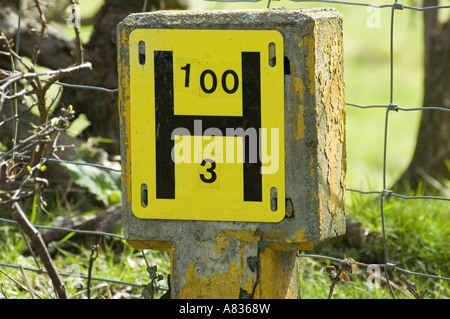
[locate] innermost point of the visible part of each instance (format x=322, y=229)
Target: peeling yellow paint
x=319, y=207
x=298, y=114
x=124, y=97
x=278, y=276
x=277, y=246
x=276, y=281
x=244, y=236
x=332, y=90
x=221, y=242
x=311, y=165
x=310, y=42
x=298, y=88
x=219, y=286
x=299, y=237
x=297, y=85
x=313, y=193
x=306, y=246
x=274, y=234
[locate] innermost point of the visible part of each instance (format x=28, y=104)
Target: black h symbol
x=166, y=122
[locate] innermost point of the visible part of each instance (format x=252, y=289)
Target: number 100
x=213, y=76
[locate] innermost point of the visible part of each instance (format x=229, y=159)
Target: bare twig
x=43, y=22
x=79, y=44
x=35, y=236
x=39, y=90
x=94, y=255
x=14, y=280
x=27, y=283
x=412, y=288
x=54, y=74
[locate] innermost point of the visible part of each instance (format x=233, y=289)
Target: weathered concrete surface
x=209, y=259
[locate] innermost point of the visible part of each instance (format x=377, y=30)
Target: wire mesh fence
x=8, y=78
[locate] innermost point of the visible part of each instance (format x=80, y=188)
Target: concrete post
x=232, y=259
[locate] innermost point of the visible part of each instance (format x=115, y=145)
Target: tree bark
x=432, y=153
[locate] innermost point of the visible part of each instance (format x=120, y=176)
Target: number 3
x=210, y=170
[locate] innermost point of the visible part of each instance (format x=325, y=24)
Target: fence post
x=232, y=227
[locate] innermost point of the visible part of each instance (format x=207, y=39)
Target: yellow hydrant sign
x=233, y=144
x=207, y=124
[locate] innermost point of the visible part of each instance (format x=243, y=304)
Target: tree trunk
x=432, y=153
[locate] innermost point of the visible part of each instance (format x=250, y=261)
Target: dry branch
x=38, y=244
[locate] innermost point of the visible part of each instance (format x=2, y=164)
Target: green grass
x=126, y=265
x=116, y=260
x=418, y=239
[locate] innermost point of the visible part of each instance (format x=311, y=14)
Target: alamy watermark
x=374, y=19
x=256, y=144
x=73, y=20
x=374, y=279
x=74, y=279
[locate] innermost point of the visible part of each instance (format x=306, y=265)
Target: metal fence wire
x=383, y=194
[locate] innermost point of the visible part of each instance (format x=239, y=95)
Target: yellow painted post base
x=280, y=275
x=276, y=278
x=233, y=266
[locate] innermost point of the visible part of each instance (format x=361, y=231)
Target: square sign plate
x=207, y=124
